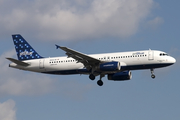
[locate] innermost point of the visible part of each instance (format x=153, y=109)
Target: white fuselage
x=135, y=60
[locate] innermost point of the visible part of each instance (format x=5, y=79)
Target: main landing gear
x=152, y=73
x=92, y=77
x=99, y=82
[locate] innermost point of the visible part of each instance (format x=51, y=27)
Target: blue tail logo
x=23, y=49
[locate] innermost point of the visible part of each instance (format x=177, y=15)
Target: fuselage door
x=151, y=55
x=41, y=63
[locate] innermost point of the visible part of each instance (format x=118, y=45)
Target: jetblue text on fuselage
x=138, y=53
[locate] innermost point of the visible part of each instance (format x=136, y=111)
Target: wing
x=88, y=61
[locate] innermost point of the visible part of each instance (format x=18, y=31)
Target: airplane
x=117, y=66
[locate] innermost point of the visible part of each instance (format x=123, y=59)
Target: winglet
x=57, y=46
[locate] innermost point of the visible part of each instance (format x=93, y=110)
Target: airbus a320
x=117, y=66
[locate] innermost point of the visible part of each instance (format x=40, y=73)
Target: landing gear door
x=151, y=55
x=41, y=63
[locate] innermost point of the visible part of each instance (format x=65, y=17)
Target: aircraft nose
x=173, y=60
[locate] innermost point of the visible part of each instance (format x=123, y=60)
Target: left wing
x=88, y=61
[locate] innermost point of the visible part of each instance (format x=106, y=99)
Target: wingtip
x=57, y=46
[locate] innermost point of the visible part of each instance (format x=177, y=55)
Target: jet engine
x=110, y=66
x=120, y=76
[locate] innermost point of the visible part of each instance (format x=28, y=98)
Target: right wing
x=88, y=61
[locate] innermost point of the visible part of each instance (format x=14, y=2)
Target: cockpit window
x=163, y=54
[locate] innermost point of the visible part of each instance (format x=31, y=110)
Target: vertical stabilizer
x=23, y=49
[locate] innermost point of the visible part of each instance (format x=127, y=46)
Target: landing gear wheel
x=92, y=77
x=153, y=76
x=100, y=82
x=152, y=73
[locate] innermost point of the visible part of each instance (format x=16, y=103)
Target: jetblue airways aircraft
x=117, y=66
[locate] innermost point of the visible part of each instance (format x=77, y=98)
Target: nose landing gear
x=153, y=76
x=152, y=73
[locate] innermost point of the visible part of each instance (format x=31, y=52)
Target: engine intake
x=110, y=66
x=120, y=76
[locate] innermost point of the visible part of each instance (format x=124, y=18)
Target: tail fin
x=23, y=49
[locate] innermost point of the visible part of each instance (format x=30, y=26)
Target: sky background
x=90, y=26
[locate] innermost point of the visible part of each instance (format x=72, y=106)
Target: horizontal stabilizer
x=18, y=62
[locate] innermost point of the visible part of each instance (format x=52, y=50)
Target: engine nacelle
x=110, y=66
x=120, y=76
